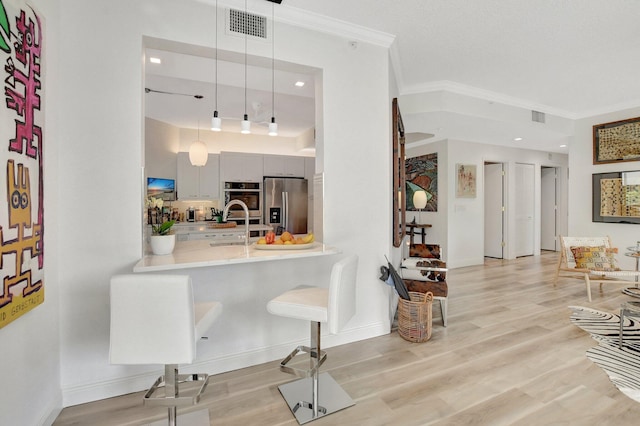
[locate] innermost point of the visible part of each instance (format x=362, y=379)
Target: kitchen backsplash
x=202, y=208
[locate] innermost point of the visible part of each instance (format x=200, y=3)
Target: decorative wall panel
x=21, y=162
x=617, y=141
x=421, y=173
x=616, y=197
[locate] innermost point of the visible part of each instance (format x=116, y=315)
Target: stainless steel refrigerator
x=285, y=204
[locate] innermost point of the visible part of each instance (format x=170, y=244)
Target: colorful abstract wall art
x=421, y=173
x=21, y=163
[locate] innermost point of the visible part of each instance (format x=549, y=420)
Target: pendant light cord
x=245, y=56
x=216, y=94
x=273, y=54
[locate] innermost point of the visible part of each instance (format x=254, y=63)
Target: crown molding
x=324, y=24
x=462, y=89
x=310, y=20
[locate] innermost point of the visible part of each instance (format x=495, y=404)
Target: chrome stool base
x=331, y=397
x=303, y=372
x=170, y=383
x=167, y=401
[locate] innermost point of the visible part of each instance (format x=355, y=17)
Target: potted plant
x=216, y=214
x=162, y=240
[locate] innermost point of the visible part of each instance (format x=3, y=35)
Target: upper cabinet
x=284, y=165
x=309, y=168
x=198, y=183
x=241, y=167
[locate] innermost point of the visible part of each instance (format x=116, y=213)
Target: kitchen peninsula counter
x=201, y=253
x=209, y=227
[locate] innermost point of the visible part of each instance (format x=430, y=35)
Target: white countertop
x=200, y=253
x=196, y=227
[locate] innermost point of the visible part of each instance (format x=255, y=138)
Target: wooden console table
x=421, y=227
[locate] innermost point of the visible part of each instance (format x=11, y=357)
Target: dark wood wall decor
x=616, y=197
x=617, y=141
x=398, y=187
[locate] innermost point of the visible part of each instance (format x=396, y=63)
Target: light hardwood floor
x=509, y=356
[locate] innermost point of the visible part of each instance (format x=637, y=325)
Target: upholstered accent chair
x=424, y=271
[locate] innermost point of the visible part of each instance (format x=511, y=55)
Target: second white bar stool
x=317, y=395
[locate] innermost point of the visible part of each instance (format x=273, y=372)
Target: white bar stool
x=155, y=321
x=317, y=395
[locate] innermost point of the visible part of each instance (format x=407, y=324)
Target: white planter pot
x=162, y=244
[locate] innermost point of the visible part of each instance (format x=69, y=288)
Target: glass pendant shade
x=198, y=154
x=245, y=126
x=216, y=122
x=420, y=199
x=273, y=127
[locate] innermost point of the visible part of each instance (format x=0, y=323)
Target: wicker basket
x=414, y=317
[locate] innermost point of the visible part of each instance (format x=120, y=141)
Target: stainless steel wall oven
x=249, y=193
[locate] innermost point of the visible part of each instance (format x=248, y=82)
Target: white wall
x=458, y=226
x=101, y=171
x=162, y=143
x=29, y=352
x=581, y=168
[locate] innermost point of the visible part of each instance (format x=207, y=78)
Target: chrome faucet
x=225, y=213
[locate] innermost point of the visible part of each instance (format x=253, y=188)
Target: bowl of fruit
x=285, y=241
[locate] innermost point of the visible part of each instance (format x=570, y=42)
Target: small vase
x=162, y=244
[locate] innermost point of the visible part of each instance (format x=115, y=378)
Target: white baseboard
x=80, y=394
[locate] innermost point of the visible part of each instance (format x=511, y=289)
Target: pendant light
x=198, y=153
x=216, y=122
x=273, y=126
x=245, y=126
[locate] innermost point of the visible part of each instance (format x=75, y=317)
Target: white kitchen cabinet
x=283, y=165
x=198, y=183
x=309, y=168
x=210, y=178
x=241, y=167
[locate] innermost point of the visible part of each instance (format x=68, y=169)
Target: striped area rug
x=622, y=365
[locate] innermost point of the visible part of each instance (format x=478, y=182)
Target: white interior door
x=493, y=210
x=548, y=209
x=524, y=209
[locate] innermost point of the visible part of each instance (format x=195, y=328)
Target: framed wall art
x=616, y=197
x=21, y=163
x=421, y=174
x=617, y=141
x=465, y=180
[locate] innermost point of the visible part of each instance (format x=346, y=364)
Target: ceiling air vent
x=537, y=116
x=247, y=23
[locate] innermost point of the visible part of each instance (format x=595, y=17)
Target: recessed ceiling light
x=563, y=146
x=299, y=83
x=517, y=139
x=155, y=60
